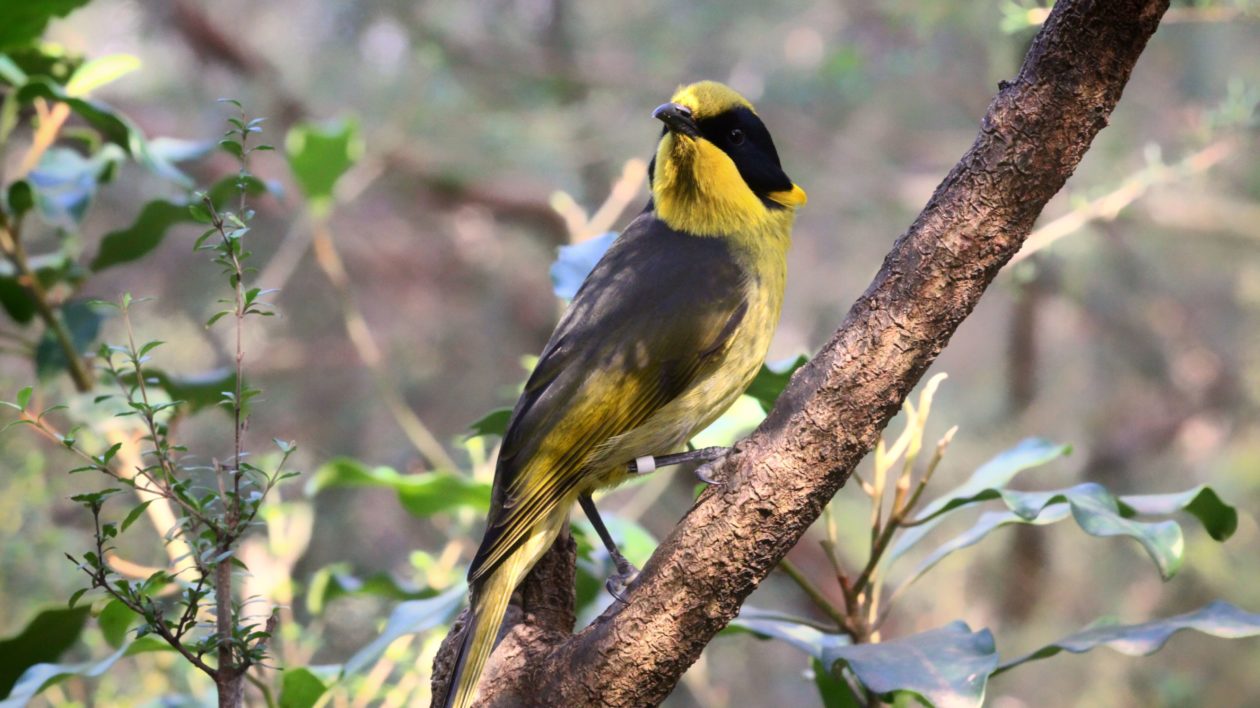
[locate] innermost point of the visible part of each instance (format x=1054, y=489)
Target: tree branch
x=777, y=482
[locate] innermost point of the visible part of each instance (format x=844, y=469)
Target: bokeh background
x=491, y=135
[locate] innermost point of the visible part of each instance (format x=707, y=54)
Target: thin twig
x=369, y=351
x=1108, y=206
x=815, y=594
x=13, y=248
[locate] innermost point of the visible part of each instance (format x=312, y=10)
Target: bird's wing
x=658, y=308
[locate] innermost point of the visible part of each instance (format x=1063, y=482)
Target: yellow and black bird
x=664, y=335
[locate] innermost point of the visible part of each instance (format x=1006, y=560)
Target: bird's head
x=716, y=170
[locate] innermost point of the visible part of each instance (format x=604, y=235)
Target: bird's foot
x=618, y=584
x=702, y=474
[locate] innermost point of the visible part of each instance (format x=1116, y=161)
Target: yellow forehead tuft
x=709, y=98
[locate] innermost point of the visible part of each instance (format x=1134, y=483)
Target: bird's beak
x=677, y=118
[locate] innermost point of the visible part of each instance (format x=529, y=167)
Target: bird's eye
x=736, y=136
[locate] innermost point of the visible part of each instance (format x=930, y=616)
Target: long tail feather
x=489, y=604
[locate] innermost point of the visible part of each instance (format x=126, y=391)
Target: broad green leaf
x=945, y=667
x=38, y=59
x=994, y=474
x=21, y=197
x=44, y=638
x=300, y=688
x=798, y=633
x=833, y=691
x=493, y=423
x=113, y=126
x=50, y=268
x=16, y=301
x=1098, y=513
x=227, y=191
x=772, y=379
x=319, y=154
x=421, y=494
x=334, y=581
x=115, y=619
x=1219, y=519
x=574, y=262
x=13, y=75
x=988, y=522
x=1218, y=619
x=408, y=618
x=96, y=73
x=83, y=320
x=41, y=676
x=144, y=234
x=24, y=22
x=197, y=391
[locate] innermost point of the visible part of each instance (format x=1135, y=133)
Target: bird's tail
x=489, y=604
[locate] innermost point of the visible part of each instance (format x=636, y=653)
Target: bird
x=664, y=334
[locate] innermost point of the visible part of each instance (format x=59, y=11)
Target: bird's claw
x=702, y=474
x=619, y=583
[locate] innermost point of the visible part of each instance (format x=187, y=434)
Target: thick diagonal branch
x=1032, y=137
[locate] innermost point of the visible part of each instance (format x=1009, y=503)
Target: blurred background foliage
x=432, y=157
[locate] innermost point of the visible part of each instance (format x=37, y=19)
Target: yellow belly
x=716, y=388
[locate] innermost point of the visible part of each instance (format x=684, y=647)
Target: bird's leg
x=648, y=463
x=626, y=573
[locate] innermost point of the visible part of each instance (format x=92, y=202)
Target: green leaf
x=144, y=234
x=1218, y=619
x=76, y=595
x=772, y=379
x=1219, y=519
x=41, y=676
x=96, y=73
x=113, y=127
x=232, y=147
x=24, y=22
x=24, y=397
x=408, y=618
x=319, y=154
x=794, y=631
x=334, y=581
x=227, y=191
x=134, y=514
x=195, y=391
x=200, y=213
x=493, y=423
x=422, y=494
x=83, y=320
x=988, y=522
x=300, y=688
x=832, y=691
x=14, y=297
x=21, y=198
x=12, y=74
x=949, y=666
x=115, y=619
x=44, y=638
x=994, y=474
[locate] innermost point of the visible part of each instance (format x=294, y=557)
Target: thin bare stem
x=15, y=251
x=815, y=595
x=369, y=351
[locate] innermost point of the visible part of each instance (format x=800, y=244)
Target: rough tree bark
x=777, y=481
